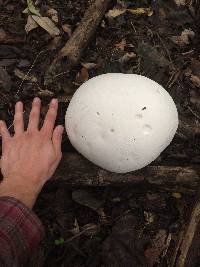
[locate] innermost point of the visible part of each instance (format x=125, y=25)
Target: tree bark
x=74, y=169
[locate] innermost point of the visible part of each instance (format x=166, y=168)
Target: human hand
x=30, y=157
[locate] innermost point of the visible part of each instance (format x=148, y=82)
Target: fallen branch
x=76, y=170
x=71, y=52
x=188, y=251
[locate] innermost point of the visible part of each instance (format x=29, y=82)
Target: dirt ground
x=127, y=225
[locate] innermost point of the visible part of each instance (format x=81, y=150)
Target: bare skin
x=29, y=158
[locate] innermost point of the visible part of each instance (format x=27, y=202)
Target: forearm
x=20, y=232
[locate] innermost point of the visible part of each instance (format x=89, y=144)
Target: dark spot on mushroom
x=82, y=136
x=144, y=108
x=98, y=113
x=112, y=130
x=139, y=116
x=134, y=139
x=126, y=159
x=112, y=114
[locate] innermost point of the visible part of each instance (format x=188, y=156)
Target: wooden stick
x=74, y=169
x=71, y=52
x=188, y=238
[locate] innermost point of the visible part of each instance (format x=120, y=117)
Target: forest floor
x=134, y=225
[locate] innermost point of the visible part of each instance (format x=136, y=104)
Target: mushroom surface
x=121, y=122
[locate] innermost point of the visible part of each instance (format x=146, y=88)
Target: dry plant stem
x=189, y=235
x=74, y=169
x=78, y=41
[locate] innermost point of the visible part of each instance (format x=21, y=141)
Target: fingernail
x=18, y=104
x=36, y=100
x=1, y=122
x=54, y=101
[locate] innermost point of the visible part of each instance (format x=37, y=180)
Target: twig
x=28, y=72
x=193, y=112
x=189, y=235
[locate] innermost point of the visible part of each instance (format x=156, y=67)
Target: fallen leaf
x=76, y=229
x=184, y=38
x=149, y=217
x=67, y=28
x=90, y=229
x=25, y=11
x=45, y=93
x=53, y=14
x=82, y=76
x=195, y=80
x=32, y=8
x=141, y=11
x=89, y=65
x=21, y=75
x=31, y=24
x=176, y=195
x=59, y=241
x=121, y=45
x=126, y=57
x=84, y=198
x=47, y=25
x=180, y=2
x=113, y=13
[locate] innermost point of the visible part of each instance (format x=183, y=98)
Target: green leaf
x=32, y=8
x=59, y=241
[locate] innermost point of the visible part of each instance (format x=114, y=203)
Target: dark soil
x=109, y=226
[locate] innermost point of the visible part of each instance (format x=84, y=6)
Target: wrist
x=23, y=191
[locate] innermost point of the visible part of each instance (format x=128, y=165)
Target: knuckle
x=33, y=115
x=17, y=118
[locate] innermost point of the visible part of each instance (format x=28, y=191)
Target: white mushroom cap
x=121, y=122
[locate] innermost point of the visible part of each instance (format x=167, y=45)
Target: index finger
x=5, y=135
x=49, y=122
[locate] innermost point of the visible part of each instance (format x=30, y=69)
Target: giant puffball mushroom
x=121, y=122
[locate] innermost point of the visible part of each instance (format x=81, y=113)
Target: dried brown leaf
x=89, y=65
x=31, y=24
x=76, y=229
x=21, y=75
x=195, y=79
x=126, y=57
x=113, y=13
x=82, y=76
x=90, y=229
x=47, y=25
x=67, y=28
x=121, y=45
x=53, y=14
x=180, y=2
x=184, y=38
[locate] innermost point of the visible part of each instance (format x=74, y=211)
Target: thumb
x=57, y=139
